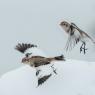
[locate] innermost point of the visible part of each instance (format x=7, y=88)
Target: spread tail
x=60, y=58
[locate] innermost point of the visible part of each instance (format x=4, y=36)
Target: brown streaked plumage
x=37, y=61
x=75, y=35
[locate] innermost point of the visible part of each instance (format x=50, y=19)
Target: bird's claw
x=82, y=48
x=54, y=69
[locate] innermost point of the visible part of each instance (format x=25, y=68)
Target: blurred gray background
x=37, y=21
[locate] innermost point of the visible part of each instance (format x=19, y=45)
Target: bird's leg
x=83, y=47
x=37, y=72
x=54, y=69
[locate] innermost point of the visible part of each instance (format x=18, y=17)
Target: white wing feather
x=73, y=40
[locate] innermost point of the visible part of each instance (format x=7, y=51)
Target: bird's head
x=65, y=25
x=25, y=60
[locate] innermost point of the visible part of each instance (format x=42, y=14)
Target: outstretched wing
x=43, y=79
x=83, y=34
x=22, y=47
x=74, y=37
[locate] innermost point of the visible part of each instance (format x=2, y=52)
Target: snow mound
x=73, y=78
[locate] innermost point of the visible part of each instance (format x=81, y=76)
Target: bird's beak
x=60, y=23
x=23, y=60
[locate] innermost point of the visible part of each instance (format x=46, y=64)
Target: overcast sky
x=36, y=21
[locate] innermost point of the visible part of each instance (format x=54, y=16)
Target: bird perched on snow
x=75, y=34
x=37, y=61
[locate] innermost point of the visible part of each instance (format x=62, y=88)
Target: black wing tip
x=73, y=24
x=43, y=79
x=22, y=47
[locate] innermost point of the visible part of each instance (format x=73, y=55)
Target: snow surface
x=74, y=78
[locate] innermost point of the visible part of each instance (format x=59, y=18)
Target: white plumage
x=75, y=35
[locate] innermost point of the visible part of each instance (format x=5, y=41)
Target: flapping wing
x=83, y=34
x=43, y=79
x=22, y=47
x=73, y=39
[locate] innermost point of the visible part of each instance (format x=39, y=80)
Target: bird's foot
x=37, y=72
x=83, y=48
x=54, y=69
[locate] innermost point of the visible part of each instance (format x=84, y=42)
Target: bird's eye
x=28, y=54
x=66, y=25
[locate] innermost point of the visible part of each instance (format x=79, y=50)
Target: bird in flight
x=75, y=35
x=37, y=61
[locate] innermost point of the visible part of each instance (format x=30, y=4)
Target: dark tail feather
x=59, y=58
x=43, y=79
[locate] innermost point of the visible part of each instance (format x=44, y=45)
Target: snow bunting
x=75, y=34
